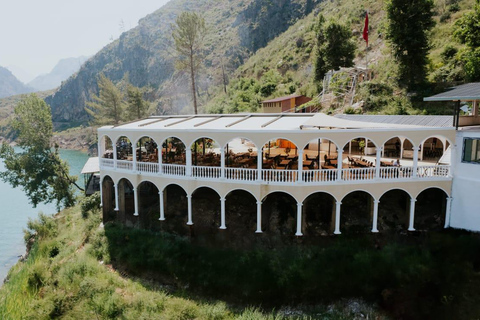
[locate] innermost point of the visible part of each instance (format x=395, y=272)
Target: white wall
x=465, y=207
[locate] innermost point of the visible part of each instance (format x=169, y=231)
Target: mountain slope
x=9, y=85
x=236, y=28
x=62, y=71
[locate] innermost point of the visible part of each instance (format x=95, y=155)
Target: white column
x=339, y=163
x=162, y=209
x=448, y=212
x=300, y=166
x=222, y=163
x=259, y=163
x=114, y=155
x=188, y=160
x=115, y=186
x=377, y=162
x=412, y=215
x=337, y=217
x=189, y=200
x=160, y=159
x=453, y=159
x=402, y=140
x=375, y=215
x=350, y=147
x=415, y=161
x=421, y=152
x=101, y=193
x=259, y=217
x=134, y=151
x=222, y=213
x=299, y=219
x=366, y=147
x=135, y=201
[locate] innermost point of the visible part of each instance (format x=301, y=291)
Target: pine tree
x=137, y=107
x=109, y=105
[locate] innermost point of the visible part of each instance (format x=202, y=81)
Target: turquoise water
x=15, y=211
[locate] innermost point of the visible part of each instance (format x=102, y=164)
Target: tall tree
x=467, y=30
x=335, y=47
x=409, y=22
x=137, y=107
x=37, y=169
x=188, y=32
x=108, y=106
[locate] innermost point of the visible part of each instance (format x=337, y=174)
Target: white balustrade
x=147, y=167
x=125, y=165
x=392, y=173
x=173, y=169
x=433, y=171
x=324, y=175
x=358, y=174
x=274, y=175
x=241, y=174
x=107, y=163
x=206, y=172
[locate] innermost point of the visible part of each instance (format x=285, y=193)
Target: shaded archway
x=106, y=147
x=433, y=148
x=205, y=152
x=108, y=199
x=241, y=153
x=124, y=149
x=356, y=212
x=360, y=146
x=430, y=209
x=279, y=212
x=205, y=214
x=148, y=205
x=318, y=215
x=393, y=211
x=280, y=153
x=173, y=151
x=240, y=217
x=146, y=150
x=126, y=203
x=176, y=210
x=397, y=148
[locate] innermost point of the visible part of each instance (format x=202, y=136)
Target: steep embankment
x=236, y=28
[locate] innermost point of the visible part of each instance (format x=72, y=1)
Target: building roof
x=464, y=92
x=279, y=99
x=321, y=120
x=422, y=121
x=91, y=166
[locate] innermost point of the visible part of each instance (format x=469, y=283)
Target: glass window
x=471, y=150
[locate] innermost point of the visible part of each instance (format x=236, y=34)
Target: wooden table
x=333, y=162
x=328, y=167
x=285, y=163
x=307, y=163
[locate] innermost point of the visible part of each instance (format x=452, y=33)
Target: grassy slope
x=62, y=279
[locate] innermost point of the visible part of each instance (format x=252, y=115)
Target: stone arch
x=279, y=214
x=148, y=204
x=433, y=147
x=318, y=218
x=105, y=147
x=173, y=151
x=430, y=209
x=360, y=146
x=398, y=147
x=108, y=199
x=357, y=212
x=241, y=152
x=394, y=210
x=175, y=204
x=146, y=149
x=126, y=202
x=240, y=217
x=205, y=213
x=276, y=152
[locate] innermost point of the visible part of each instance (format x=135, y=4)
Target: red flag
x=365, y=29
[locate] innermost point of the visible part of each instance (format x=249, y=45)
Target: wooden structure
x=285, y=104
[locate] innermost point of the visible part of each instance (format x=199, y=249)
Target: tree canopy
x=468, y=32
x=137, y=107
x=109, y=105
x=409, y=22
x=188, y=32
x=37, y=169
x=335, y=47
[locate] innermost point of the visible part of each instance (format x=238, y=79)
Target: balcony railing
x=276, y=176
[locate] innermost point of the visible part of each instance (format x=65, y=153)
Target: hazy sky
x=36, y=34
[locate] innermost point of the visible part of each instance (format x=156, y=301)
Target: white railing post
x=188, y=159
x=222, y=163
x=412, y=215
x=222, y=213
x=189, y=201
x=337, y=217
x=162, y=208
x=115, y=186
x=300, y=166
x=415, y=161
x=115, y=156
x=375, y=215
x=448, y=212
x=299, y=219
x=160, y=159
x=259, y=164
x=377, y=162
x=101, y=193
x=134, y=151
x=339, y=163
x=135, y=200
x=259, y=217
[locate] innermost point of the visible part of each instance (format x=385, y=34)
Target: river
x=15, y=211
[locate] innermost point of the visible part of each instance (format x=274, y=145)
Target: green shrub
x=42, y=227
x=90, y=204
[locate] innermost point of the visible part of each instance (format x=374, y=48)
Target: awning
x=91, y=166
x=321, y=120
x=464, y=92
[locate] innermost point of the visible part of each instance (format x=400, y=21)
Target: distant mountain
x=61, y=72
x=10, y=85
x=21, y=74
